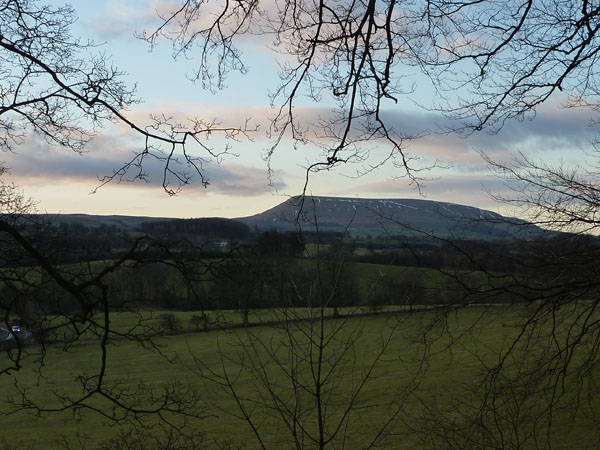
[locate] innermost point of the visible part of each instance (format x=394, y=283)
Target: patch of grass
x=452, y=358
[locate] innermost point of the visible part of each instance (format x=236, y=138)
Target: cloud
x=238, y=180
x=38, y=163
x=562, y=131
x=552, y=129
x=37, y=160
x=121, y=19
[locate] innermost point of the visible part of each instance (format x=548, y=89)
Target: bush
x=170, y=323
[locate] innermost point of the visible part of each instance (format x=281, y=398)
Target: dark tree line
x=207, y=227
x=512, y=256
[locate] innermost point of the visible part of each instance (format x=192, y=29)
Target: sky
x=60, y=181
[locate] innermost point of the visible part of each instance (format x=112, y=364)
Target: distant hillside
x=124, y=223
x=358, y=216
x=405, y=217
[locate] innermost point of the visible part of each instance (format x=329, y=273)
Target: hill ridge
x=403, y=216
x=358, y=216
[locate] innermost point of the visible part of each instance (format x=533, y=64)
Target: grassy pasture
x=457, y=347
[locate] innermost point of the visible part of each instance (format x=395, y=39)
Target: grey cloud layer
x=552, y=129
x=39, y=163
x=121, y=20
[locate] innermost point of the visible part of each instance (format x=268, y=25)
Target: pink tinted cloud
x=553, y=129
x=39, y=163
x=122, y=19
x=109, y=150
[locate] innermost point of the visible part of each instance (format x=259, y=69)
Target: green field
x=426, y=384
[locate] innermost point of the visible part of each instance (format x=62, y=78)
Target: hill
x=400, y=217
x=124, y=223
x=355, y=216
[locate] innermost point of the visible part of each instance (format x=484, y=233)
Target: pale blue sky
x=61, y=181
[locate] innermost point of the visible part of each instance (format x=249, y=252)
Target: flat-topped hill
x=362, y=216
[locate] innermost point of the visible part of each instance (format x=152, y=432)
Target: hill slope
x=357, y=216
x=125, y=223
x=360, y=216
